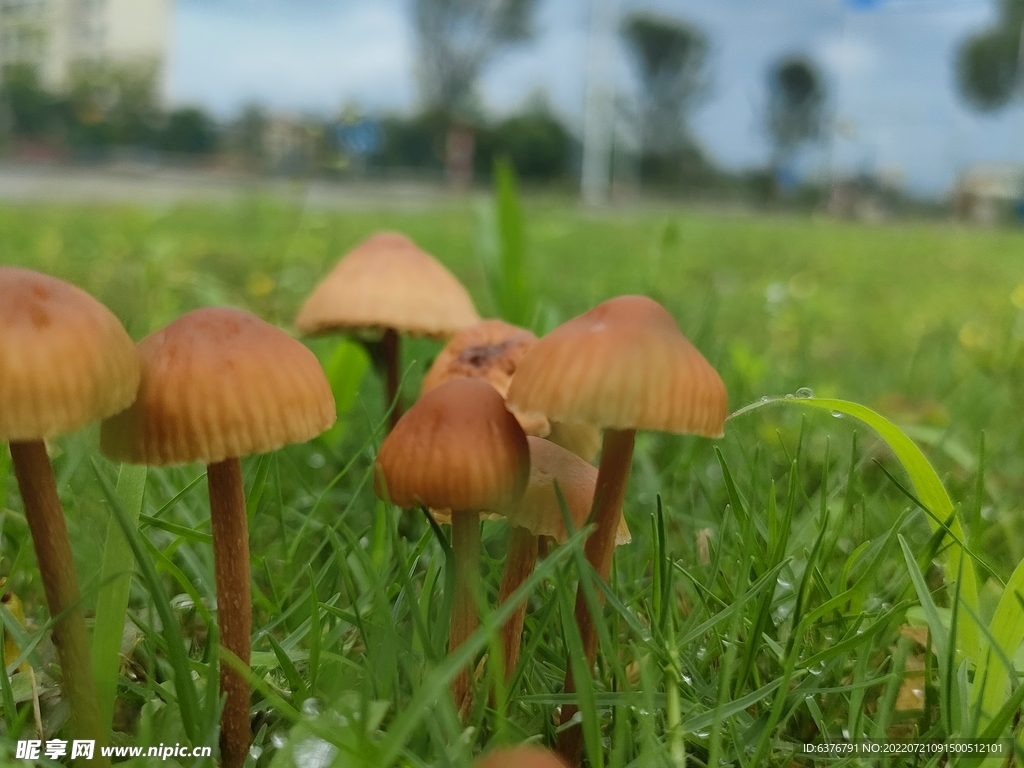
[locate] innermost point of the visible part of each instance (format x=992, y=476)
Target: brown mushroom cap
x=65, y=360
x=622, y=365
x=489, y=350
x=388, y=282
x=539, y=510
x=456, y=448
x=220, y=383
x=520, y=757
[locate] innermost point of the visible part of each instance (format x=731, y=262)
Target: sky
x=889, y=71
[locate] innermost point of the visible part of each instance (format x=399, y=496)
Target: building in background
x=55, y=35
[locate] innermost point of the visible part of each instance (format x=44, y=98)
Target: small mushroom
x=387, y=285
x=459, y=449
x=491, y=350
x=539, y=513
x=622, y=366
x=219, y=384
x=65, y=361
x=519, y=757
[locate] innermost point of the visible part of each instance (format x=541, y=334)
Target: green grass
x=760, y=603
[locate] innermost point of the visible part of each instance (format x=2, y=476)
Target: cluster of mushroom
x=214, y=385
x=506, y=425
x=473, y=444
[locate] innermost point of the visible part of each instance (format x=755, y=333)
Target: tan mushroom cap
x=520, y=757
x=388, y=282
x=622, y=365
x=539, y=510
x=220, y=383
x=457, y=448
x=65, y=360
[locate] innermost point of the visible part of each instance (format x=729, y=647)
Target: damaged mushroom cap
x=388, y=282
x=622, y=365
x=65, y=359
x=538, y=510
x=457, y=448
x=489, y=350
x=220, y=383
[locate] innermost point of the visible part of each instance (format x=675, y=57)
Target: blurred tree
x=988, y=64
x=796, y=102
x=671, y=56
x=457, y=39
x=534, y=141
x=29, y=109
x=189, y=130
x=114, y=103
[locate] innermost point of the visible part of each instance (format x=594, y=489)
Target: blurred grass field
x=922, y=322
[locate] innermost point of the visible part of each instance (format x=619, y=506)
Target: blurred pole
x=598, y=111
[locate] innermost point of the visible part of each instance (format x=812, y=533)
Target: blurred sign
x=362, y=138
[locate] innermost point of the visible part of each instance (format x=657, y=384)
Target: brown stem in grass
x=392, y=373
x=519, y=563
x=45, y=518
x=616, y=459
x=230, y=527
x=465, y=618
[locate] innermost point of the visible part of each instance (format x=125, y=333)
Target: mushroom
x=387, y=285
x=219, y=384
x=491, y=350
x=519, y=757
x=539, y=514
x=459, y=449
x=622, y=366
x=65, y=361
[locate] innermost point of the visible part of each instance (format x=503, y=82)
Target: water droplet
x=313, y=753
x=278, y=741
x=765, y=399
x=255, y=751
x=790, y=395
x=311, y=707
x=805, y=392
x=836, y=415
x=316, y=460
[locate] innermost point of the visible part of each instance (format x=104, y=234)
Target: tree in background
x=796, y=108
x=989, y=62
x=457, y=39
x=671, y=57
x=29, y=110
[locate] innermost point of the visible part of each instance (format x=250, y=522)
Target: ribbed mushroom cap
x=456, y=448
x=520, y=757
x=489, y=350
x=388, y=282
x=622, y=365
x=219, y=383
x=65, y=360
x=539, y=510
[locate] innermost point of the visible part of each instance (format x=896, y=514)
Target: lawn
x=779, y=581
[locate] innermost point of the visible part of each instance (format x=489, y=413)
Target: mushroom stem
x=522, y=556
x=612, y=475
x=392, y=346
x=465, y=618
x=45, y=518
x=234, y=604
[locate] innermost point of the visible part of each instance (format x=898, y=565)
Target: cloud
x=224, y=58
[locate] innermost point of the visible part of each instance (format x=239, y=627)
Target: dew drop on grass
x=316, y=460
x=765, y=399
x=311, y=707
x=836, y=415
x=313, y=753
x=278, y=741
x=805, y=392
x=255, y=751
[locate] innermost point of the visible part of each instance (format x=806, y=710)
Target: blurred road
x=141, y=185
